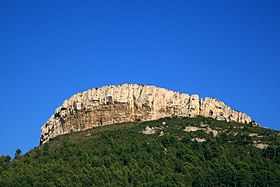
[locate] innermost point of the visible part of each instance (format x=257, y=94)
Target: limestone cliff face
x=128, y=103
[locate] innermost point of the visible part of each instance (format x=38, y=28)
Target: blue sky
x=50, y=50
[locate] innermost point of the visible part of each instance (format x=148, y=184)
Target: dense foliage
x=121, y=155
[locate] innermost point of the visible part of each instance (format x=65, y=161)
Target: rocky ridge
x=131, y=103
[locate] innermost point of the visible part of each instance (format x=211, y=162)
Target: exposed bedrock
x=129, y=103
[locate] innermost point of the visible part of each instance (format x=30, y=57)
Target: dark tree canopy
x=121, y=155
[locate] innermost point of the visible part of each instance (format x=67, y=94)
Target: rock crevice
x=130, y=103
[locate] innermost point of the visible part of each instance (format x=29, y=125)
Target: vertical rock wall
x=128, y=103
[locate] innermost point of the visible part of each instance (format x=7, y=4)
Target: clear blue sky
x=50, y=50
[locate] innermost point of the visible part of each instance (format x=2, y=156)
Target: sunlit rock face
x=129, y=103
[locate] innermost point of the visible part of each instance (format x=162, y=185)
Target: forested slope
x=167, y=152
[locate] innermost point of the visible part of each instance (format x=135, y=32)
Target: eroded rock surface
x=206, y=129
x=129, y=103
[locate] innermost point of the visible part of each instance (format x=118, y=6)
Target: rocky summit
x=131, y=103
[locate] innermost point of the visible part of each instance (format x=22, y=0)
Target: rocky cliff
x=128, y=103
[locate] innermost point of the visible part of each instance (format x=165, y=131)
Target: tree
x=18, y=153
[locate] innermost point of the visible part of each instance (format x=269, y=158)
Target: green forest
x=123, y=155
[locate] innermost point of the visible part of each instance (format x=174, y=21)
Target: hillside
x=166, y=152
x=110, y=105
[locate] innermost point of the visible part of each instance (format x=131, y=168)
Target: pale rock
x=161, y=133
x=192, y=129
x=206, y=129
x=235, y=133
x=261, y=145
x=253, y=134
x=149, y=130
x=131, y=103
x=200, y=140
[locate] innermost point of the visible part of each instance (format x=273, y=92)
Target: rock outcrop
x=131, y=103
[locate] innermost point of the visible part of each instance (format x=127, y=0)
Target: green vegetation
x=121, y=155
x=18, y=153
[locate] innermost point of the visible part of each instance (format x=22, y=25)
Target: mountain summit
x=207, y=144
x=131, y=103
